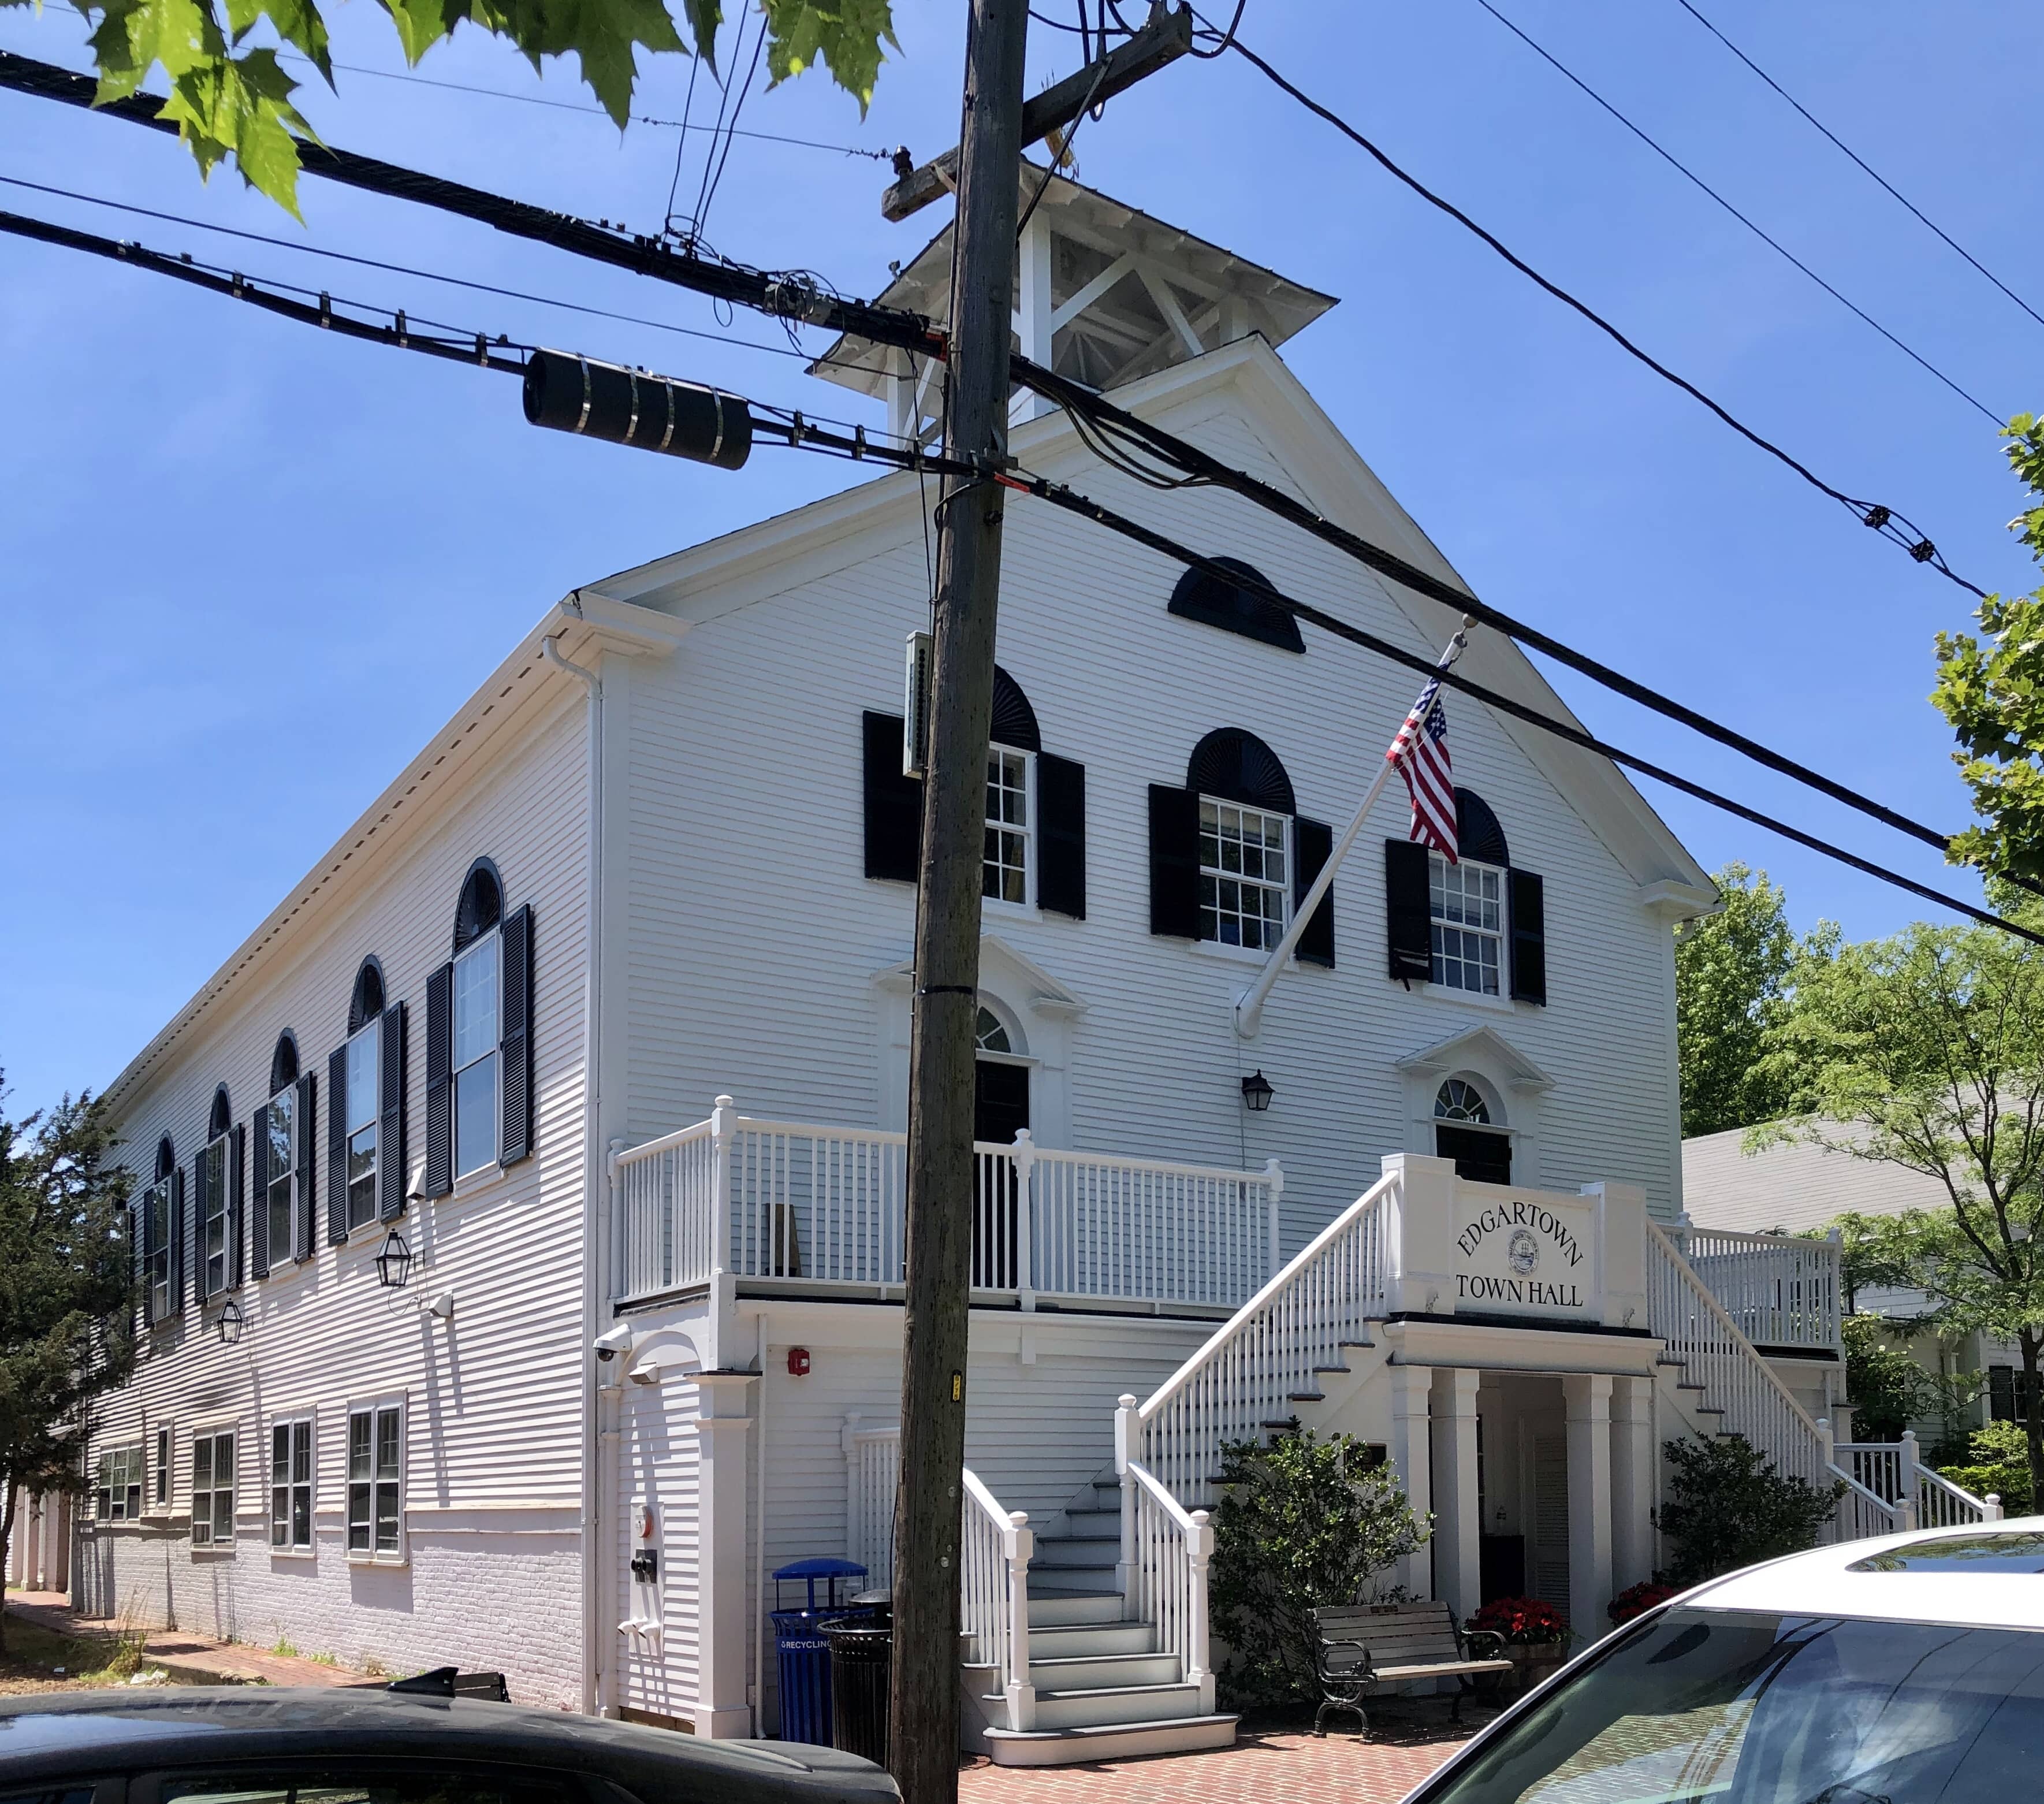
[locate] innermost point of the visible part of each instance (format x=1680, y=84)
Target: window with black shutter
x=1061, y=809
x=893, y=803
x=1407, y=915
x=1235, y=606
x=360, y=1152
x=439, y=1086
x=1226, y=854
x=1314, y=843
x=1484, y=919
x=179, y=1235
x=258, y=1193
x=515, y=1047
x=390, y=1120
x=152, y=1234
x=308, y=1186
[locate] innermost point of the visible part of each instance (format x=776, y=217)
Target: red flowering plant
x=1523, y=1622
x=1636, y=1600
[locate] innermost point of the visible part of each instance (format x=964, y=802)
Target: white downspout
x=598, y=1660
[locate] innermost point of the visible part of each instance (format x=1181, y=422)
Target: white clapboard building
x=601, y=1011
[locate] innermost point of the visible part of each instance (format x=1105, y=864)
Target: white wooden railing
x=1699, y=1330
x=1782, y=1290
x=795, y=1200
x=1911, y=1495
x=872, y=1476
x=1246, y=1377
x=1166, y=1549
x=993, y=1596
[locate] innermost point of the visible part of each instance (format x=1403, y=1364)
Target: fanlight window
x=1465, y=1131
x=1460, y=1101
x=991, y=1036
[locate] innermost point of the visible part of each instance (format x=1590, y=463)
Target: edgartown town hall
x=519, y=1206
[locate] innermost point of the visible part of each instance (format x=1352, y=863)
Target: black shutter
x=237, y=1203
x=146, y=1240
x=336, y=1146
x=1061, y=836
x=1408, y=914
x=195, y=1228
x=390, y=1118
x=1528, y=902
x=893, y=804
x=515, y=1142
x=259, y=1190
x=439, y=1086
x=1314, y=843
x=301, y=1225
x=178, y=1240
x=1174, y=862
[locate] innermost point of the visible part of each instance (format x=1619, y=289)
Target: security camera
x=616, y=1341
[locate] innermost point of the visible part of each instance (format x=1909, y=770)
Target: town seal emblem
x=1523, y=1251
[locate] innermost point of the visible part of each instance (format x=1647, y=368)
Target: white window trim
x=163, y=1434
x=289, y=1419
x=1503, y=935
x=283, y=1259
x=1026, y=910
x=224, y=1148
x=495, y=1162
x=369, y=1406
x=373, y=1025
x=160, y=1317
x=139, y=1448
x=214, y=1547
x=1257, y=954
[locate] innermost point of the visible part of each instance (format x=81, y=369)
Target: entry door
x=1000, y=1111
x=1550, y=1521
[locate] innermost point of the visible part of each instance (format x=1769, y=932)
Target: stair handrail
x=1862, y=1512
x=1166, y=1551
x=1808, y=1461
x=1267, y=1351
x=994, y=1549
x=1941, y=1504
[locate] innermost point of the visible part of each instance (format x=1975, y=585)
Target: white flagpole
x=1249, y=1005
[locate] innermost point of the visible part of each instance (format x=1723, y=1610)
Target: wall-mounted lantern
x=1256, y=1091
x=393, y=1264
x=230, y=1323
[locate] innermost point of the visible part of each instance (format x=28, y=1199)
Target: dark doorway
x=1484, y=1158
x=1000, y=1110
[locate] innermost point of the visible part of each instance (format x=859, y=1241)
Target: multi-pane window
x=1466, y=902
x=280, y=1124
x=212, y=1490
x=476, y=992
x=1243, y=874
x=212, y=1223
x=365, y=1087
x=375, y=1478
x=118, y=1496
x=291, y=1485
x=162, y=1468
x=156, y=1241
x=1007, y=870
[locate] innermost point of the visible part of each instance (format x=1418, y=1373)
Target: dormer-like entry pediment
x=1104, y=294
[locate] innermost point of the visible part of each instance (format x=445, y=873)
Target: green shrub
x=1301, y=1524
x=1727, y=1507
x=1998, y=1461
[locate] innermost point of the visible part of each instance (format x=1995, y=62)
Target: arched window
x=1233, y=607
x=481, y=905
x=365, y=1003
x=479, y=1042
x=355, y=1081
x=216, y=1204
x=1001, y=1111
x=1466, y=1130
x=1010, y=870
x=1467, y=901
x=989, y=1034
x=222, y=1117
x=166, y=1157
x=1246, y=811
x=284, y=1064
x=157, y=1227
x=282, y=1165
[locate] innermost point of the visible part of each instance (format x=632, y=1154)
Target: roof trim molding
x=1519, y=1071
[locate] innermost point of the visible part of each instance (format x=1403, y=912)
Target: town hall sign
x=1515, y=1254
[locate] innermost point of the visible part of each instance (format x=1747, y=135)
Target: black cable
x=1885, y=521
x=1889, y=186
x=730, y=132
x=1059, y=496
x=1772, y=244
x=1227, y=37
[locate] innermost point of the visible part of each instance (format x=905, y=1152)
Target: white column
x=724, y=1669
x=1457, y=1552
x=1420, y=1240
x=1033, y=313
x=1631, y=1481
x=1412, y=1460
x=1589, y=1396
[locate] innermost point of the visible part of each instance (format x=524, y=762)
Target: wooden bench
x=1364, y=1646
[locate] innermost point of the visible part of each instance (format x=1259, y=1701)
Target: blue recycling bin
x=802, y=1651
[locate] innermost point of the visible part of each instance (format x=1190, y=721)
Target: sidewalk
x=189, y=1660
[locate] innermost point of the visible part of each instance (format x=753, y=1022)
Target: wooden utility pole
x=924, y=1738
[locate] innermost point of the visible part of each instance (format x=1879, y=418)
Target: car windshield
x=1741, y=1707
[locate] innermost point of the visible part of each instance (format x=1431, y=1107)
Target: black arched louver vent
x=222, y=1117
x=1478, y=834
x=366, y=1002
x=1234, y=609
x=167, y=1158
x=283, y=1064
x=1014, y=720
x=481, y=904
x=1236, y=766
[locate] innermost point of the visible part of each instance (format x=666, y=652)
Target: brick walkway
x=1273, y=1768
x=189, y=1660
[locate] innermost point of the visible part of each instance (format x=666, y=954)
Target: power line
x=1886, y=521
x=1772, y=243
x=1887, y=186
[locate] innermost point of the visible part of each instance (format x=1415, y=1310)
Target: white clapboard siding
x=658, y=1463
x=493, y=1409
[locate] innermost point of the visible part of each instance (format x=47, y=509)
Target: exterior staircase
x=1102, y=1690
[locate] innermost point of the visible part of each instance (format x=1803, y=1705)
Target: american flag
x=1419, y=754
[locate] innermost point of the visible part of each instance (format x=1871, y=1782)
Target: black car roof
x=81, y=1734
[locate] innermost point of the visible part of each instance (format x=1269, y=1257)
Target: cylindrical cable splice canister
x=626, y=406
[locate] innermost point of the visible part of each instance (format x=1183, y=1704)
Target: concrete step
x=1089, y=1672
x=1090, y=1638
x=1076, y=1550
x=1072, y=1608
x=1108, y=1741
x=1115, y=1703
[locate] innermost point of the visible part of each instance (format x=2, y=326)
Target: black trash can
x=801, y=1654
x=862, y=1664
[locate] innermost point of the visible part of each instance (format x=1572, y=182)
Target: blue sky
x=247, y=569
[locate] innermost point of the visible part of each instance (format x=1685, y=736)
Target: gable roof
x=1793, y=1188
